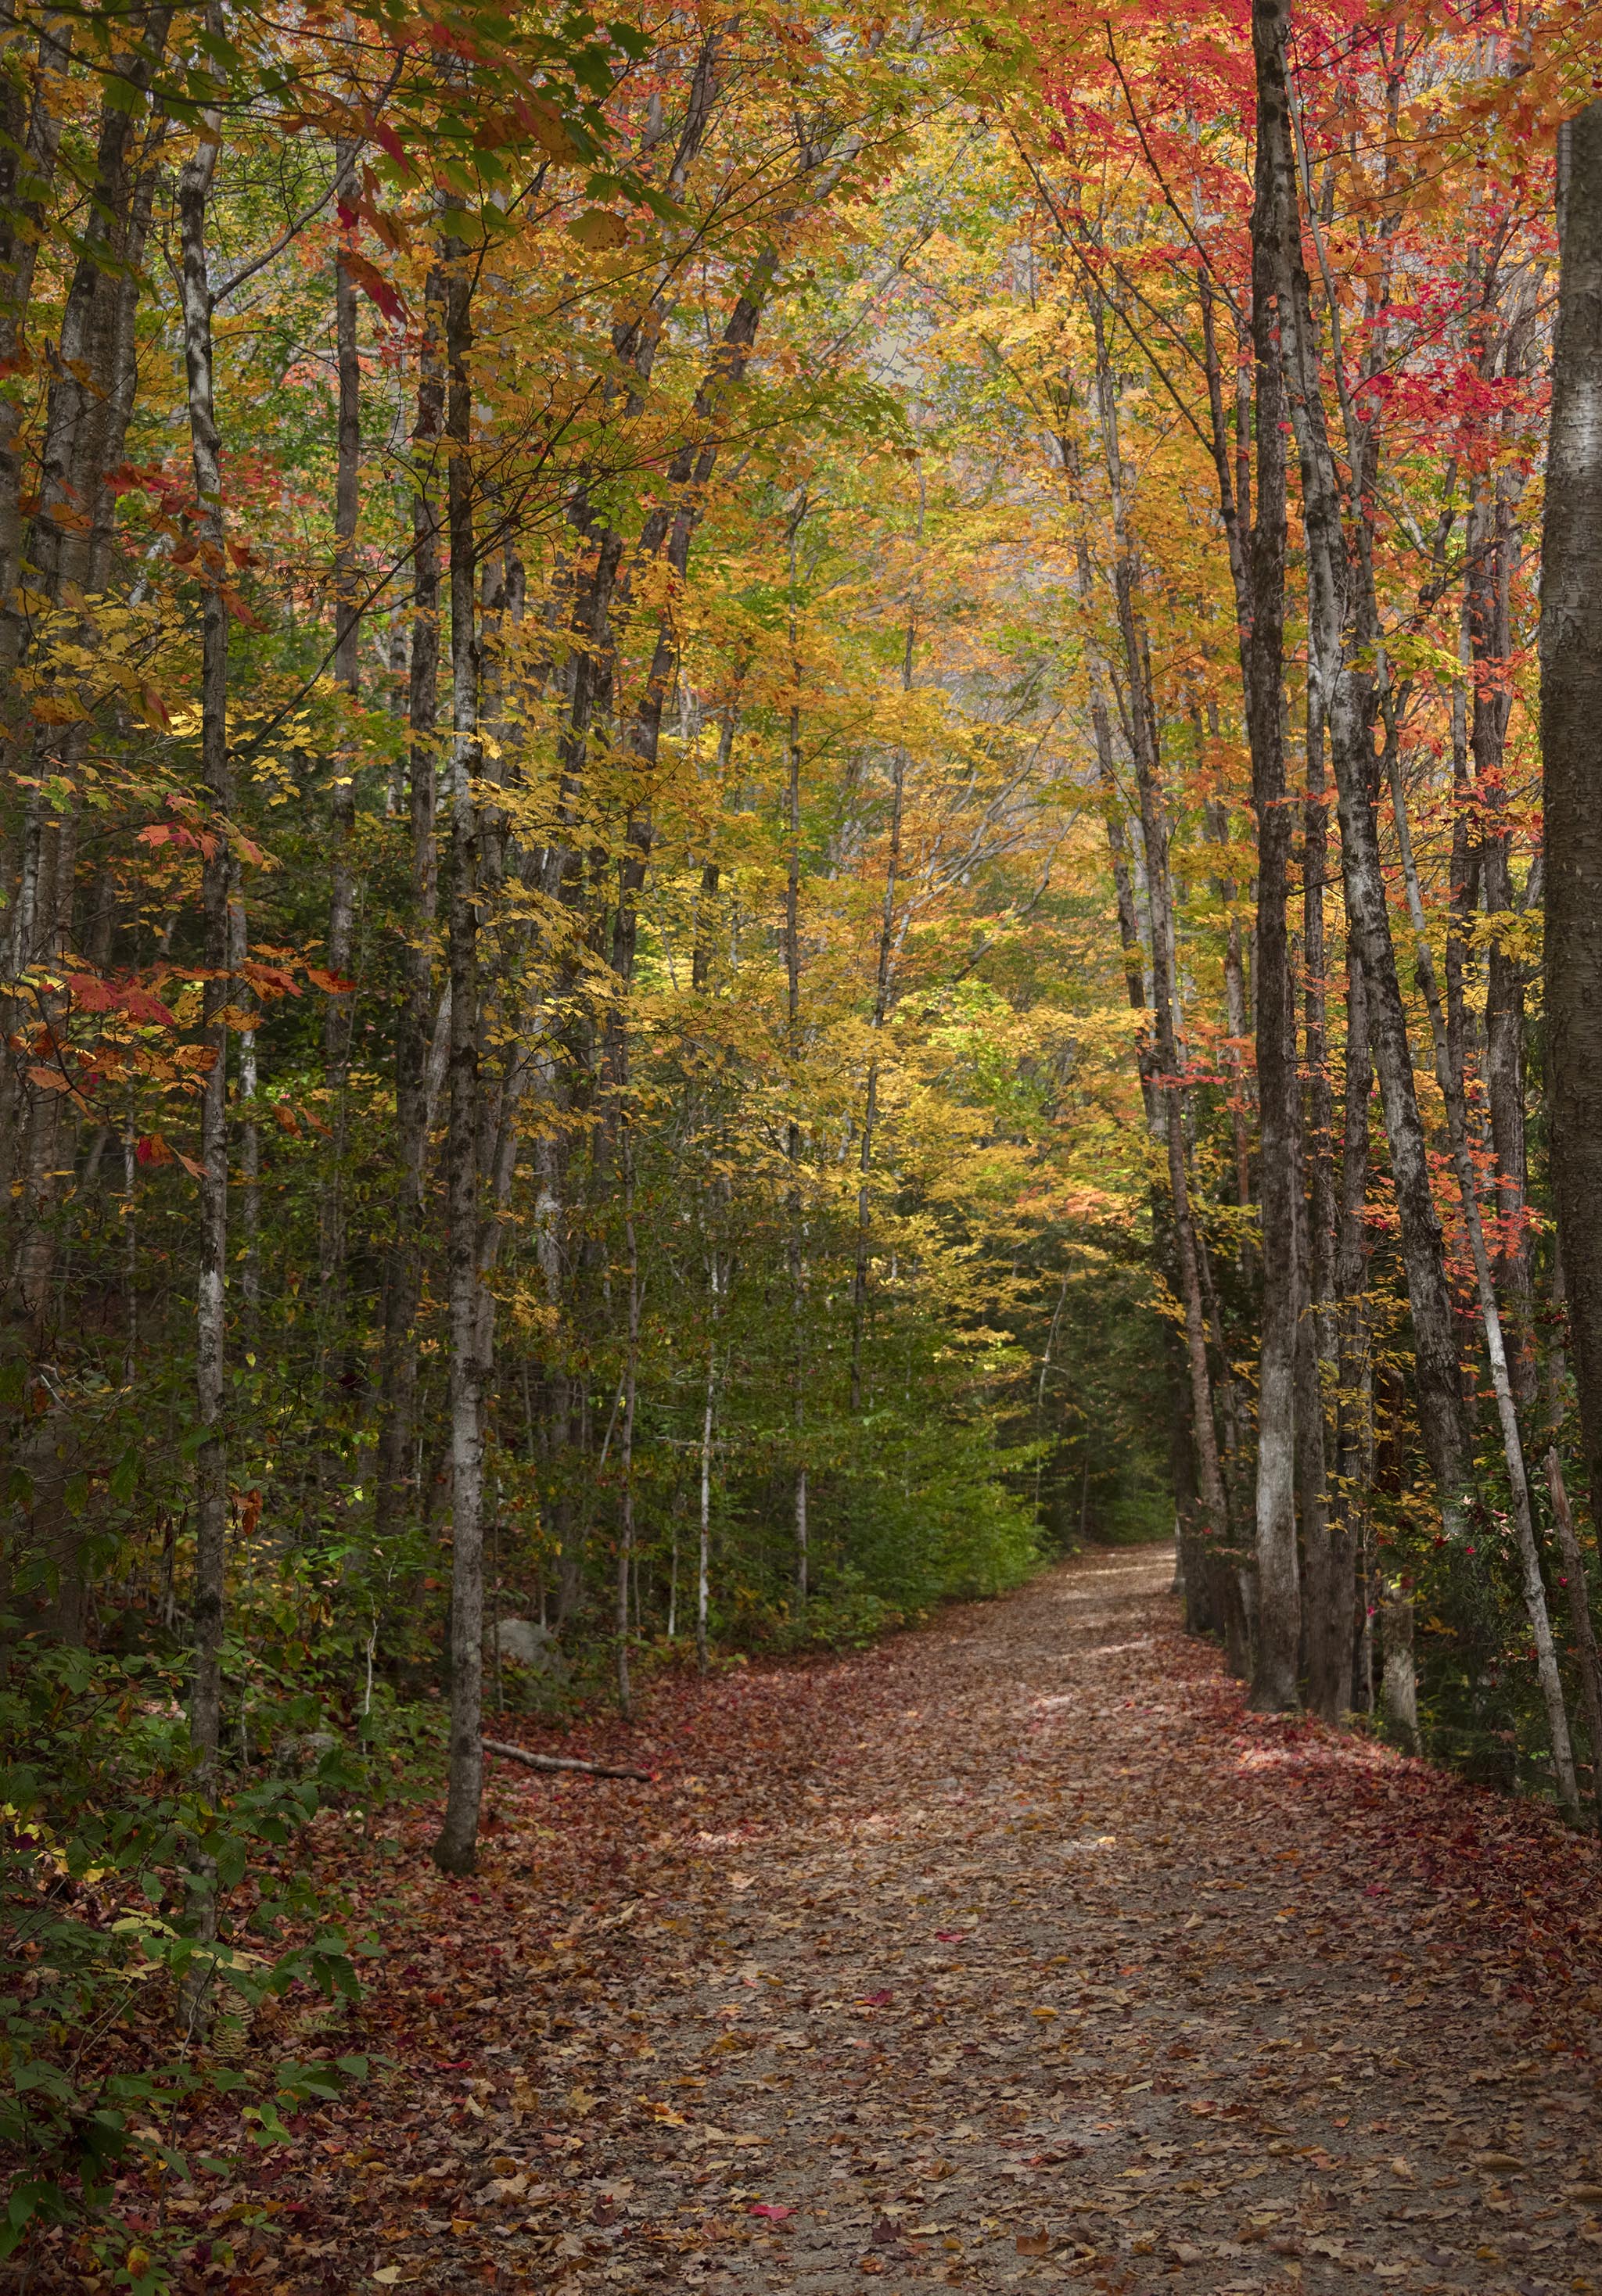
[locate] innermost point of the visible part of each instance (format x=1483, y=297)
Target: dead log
x=563, y=1762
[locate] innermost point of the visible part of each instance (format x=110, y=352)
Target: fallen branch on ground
x=563, y=1762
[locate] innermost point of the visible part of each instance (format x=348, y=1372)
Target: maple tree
x=773, y=837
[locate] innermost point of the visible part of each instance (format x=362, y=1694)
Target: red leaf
x=153, y=1150
x=372, y=281
x=139, y=1004
x=391, y=142
x=766, y=2208
x=90, y=994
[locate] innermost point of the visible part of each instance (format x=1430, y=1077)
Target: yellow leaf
x=597, y=229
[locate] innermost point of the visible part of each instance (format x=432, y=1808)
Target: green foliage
x=127, y=1961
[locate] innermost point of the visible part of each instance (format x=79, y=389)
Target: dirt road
x=1026, y=1956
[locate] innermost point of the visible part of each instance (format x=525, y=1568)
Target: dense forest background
x=773, y=836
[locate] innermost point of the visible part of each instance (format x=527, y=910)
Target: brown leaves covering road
x=1012, y=1952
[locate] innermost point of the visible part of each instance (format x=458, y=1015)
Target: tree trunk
x=626, y=1542
x=1400, y=1692
x=457, y=1848
x=792, y=972
x=870, y=1112
x=1328, y=1604
x=1274, y=1688
x=1331, y=1673
x=211, y=1462
x=404, y=1272
x=1491, y=643
x=31, y=115
x=1570, y=712
x=339, y=1013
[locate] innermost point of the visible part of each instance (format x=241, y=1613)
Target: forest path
x=1034, y=1957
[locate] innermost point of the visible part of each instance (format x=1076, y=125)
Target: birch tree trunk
x=1326, y=1537
x=212, y=1460
x=1274, y=1687
x=1354, y=1370
x=456, y=1850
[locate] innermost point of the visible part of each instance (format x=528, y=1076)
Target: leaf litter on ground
x=1012, y=1951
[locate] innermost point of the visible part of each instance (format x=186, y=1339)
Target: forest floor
x=1010, y=1952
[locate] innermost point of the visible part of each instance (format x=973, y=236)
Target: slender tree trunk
x=1274, y=1685
x=457, y=1847
x=1491, y=643
x=882, y=974
x=31, y=113
x=704, y=1551
x=1330, y=1557
x=1570, y=712
x=626, y=1542
x=211, y=1462
x=250, y=1138
x=1354, y=1371
x=793, y=969
x=404, y=1273
x=1401, y=1691
x=339, y=1013
x=1235, y=1015
x=870, y=1112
